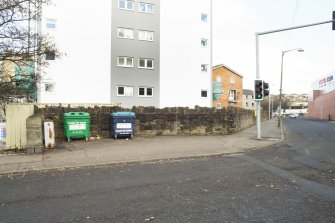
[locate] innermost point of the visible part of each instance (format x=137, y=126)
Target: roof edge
x=222, y=65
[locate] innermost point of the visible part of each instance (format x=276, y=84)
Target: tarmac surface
x=80, y=153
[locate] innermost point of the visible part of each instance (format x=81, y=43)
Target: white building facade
x=137, y=53
x=248, y=99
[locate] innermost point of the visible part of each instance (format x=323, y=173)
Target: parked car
x=293, y=115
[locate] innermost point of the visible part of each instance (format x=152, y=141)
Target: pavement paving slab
x=140, y=149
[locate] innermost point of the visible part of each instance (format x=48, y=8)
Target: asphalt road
x=311, y=138
x=292, y=181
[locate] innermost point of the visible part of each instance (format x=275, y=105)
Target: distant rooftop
x=247, y=92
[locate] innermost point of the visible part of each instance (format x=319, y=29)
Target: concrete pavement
x=140, y=149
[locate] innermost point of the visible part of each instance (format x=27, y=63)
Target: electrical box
x=49, y=134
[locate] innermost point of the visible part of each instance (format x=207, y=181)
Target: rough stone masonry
x=150, y=121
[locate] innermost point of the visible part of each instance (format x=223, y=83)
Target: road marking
x=326, y=192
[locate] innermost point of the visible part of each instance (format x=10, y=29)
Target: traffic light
x=258, y=90
x=266, y=90
x=333, y=20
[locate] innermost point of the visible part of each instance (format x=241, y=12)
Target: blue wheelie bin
x=123, y=124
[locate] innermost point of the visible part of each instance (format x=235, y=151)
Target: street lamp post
x=281, y=81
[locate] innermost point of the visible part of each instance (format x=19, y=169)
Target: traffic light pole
x=258, y=103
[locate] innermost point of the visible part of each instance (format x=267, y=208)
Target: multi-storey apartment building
x=137, y=53
x=227, y=87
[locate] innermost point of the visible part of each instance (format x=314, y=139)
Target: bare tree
x=23, y=49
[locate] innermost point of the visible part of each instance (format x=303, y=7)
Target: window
x=204, y=17
x=204, y=93
x=232, y=96
x=146, y=7
x=232, y=80
x=125, y=91
x=146, y=63
x=125, y=61
x=204, y=67
x=49, y=87
x=126, y=4
x=218, y=79
x=145, y=35
x=50, y=55
x=204, y=42
x=51, y=24
x=125, y=33
x=145, y=92
x=219, y=106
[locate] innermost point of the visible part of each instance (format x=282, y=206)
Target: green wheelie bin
x=77, y=125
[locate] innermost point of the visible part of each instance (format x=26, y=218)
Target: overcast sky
x=235, y=23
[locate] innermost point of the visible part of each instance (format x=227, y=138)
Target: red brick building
x=321, y=101
x=227, y=87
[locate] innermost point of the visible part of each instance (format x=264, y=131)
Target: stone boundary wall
x=151, y=121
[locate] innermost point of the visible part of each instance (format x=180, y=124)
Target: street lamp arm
x=298, y=49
